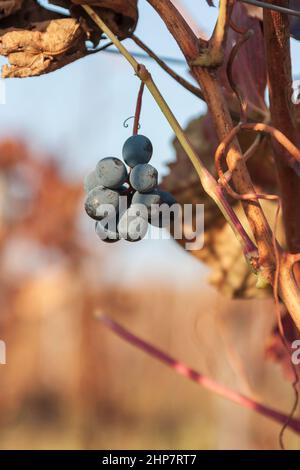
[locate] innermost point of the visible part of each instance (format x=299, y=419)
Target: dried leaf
x=38, y=41
x=48, y=47
x=8, y=7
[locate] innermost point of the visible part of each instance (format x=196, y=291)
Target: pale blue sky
x=77, y=113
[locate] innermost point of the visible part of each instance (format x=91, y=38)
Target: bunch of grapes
x=123, y=201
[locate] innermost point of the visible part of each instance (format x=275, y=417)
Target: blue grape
x=160, y=215
x=101, y=202
x=167, y=197
x=133, y=224
x=91, y=181
x=143, y=177
x=147, y=199
x=111, y=172
x=107, y=230
x=136, y=150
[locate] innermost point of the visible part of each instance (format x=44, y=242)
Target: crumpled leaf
x=8, y=7
x=48, y=47
x=38, y=41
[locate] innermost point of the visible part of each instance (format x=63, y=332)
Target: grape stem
x=138, y=110
x=208, y=182
x=210, y=384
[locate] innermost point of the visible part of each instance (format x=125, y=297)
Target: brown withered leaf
x=49, y=46
x=120, y=15
x=230, y=274
x=38, y=41
x=8, y=7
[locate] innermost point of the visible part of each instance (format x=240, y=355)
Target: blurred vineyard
x=68, y=383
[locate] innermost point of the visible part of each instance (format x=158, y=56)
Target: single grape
x=91, y=181
x=111, y=172
x=101, y=202
x=136, y=150
x=143, y=177
x=107, y=230
x=133, y=224
x=163, y=215
x=167, y=197
x=147, y=199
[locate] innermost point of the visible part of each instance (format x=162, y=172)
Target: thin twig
x=192, y=88
x=224, y=145
x=182, y=369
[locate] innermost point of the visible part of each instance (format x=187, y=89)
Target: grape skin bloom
x=143, y=178
x=147, y=199
x=136, y=150
x=111, y=172
x=101, y=202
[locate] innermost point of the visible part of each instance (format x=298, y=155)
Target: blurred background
x=68, y=383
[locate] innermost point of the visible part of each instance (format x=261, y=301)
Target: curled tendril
x=125, y=123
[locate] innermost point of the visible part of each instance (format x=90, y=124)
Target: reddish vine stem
x=138, y=109
x=224, y=145
x=200, y=379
